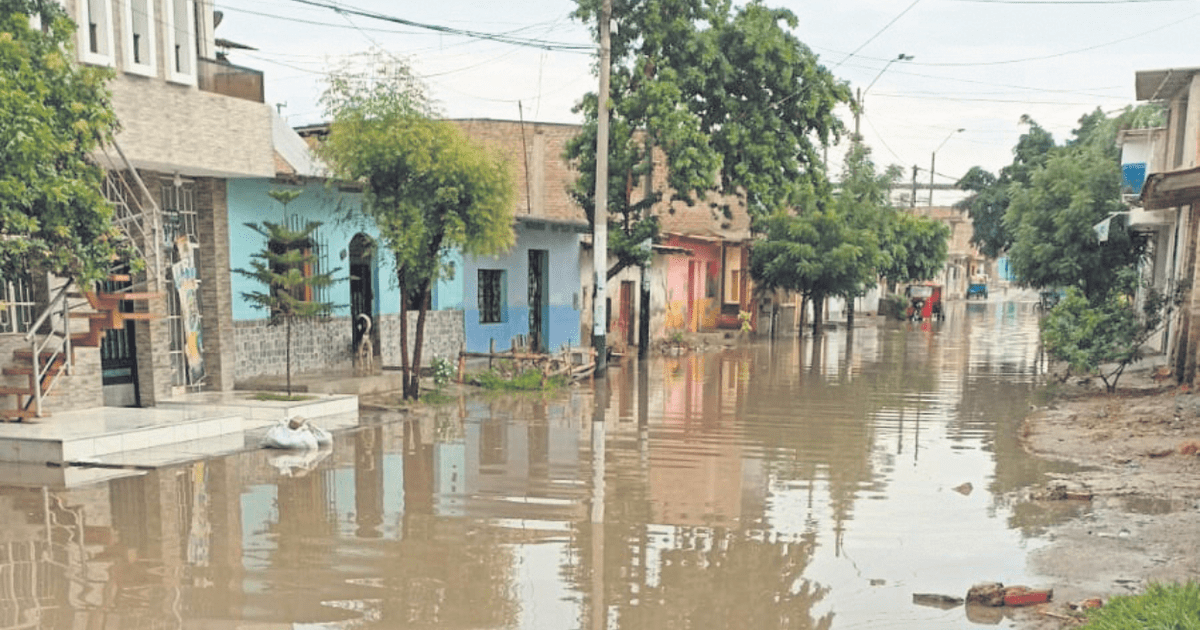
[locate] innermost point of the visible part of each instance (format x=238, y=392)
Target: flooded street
x=794, y=484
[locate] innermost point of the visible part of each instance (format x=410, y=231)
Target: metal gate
x=538, y=307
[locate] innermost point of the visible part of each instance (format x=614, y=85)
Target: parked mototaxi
x=924, y=302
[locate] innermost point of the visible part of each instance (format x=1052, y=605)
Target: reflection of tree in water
x=448, y=573
x=722, y=579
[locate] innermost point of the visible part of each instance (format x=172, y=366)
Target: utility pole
x=912, y=202
x=600, y=222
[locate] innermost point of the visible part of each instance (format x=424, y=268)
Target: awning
x=1168, y=190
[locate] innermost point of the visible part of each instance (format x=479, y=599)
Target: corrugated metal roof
x=1154, y=85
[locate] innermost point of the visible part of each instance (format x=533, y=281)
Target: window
x=95, y=32
x=16, y=305
x=139, y=37
x=181, y=42
x=491, y=296
x=313, y=259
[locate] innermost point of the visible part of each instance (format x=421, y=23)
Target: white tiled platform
x=86, y=446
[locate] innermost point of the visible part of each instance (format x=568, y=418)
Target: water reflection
x=800, y=484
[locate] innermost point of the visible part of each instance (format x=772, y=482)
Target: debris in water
x=945, y=602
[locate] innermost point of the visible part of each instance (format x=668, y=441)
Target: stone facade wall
x=326, y=344
x=317, y=344
x=80, y=390
x=444, y=336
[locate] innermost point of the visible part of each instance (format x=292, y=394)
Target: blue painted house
x=530, y=295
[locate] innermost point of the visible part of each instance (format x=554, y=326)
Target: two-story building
x=190, y=123
x=1162, y=172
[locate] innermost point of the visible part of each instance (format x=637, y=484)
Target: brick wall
x=326, y=344
x=317, y=344
x=444, y=336
x=540, y=146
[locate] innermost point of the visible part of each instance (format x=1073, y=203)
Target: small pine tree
x=281, y=267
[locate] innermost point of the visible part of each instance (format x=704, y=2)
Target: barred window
x=491, y=296
x=16, y=300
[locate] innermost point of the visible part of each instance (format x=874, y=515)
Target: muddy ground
x=1137, y=498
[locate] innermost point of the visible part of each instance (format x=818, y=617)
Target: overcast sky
x=978, y=65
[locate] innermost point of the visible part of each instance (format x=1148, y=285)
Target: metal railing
x=41, y=369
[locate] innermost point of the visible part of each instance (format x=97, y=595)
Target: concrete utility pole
x=912, y=203
x=861, y=93
x=600, y=223
x=933, y=160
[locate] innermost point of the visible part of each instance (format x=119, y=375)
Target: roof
x=1168, y=190
x=1156, y=85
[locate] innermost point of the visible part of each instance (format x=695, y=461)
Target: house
x=1165, y=203
x=530, y=296
x=191, y=122
x=963, y=260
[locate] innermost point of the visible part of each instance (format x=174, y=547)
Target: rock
x=945, y=602
x=986, y=594
x=964, y=489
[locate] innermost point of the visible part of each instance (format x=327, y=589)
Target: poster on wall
x=187, y=285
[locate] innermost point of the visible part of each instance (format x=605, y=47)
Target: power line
x=447, y=30
x=877, y=34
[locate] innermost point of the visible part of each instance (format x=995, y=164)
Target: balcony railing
x=230, y=80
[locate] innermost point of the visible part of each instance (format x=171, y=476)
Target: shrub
x=1088, y=336
x=1171, y=606
x=529, y=380
x=442, y=371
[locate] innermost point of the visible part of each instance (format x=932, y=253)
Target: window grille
x=17, y=313
x=491, y=296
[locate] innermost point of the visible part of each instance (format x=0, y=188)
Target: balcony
x=225, y=78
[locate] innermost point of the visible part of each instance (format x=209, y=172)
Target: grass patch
x=436, y=397
x=528, y=381
x=1161, y=607
x=278, y=397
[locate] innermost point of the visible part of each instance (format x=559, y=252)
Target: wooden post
x=462, y=366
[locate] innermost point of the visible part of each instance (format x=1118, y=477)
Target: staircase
x=55, y=349
x=51, y=353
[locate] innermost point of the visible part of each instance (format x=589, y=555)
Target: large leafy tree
x=990, y=194
x=816, y=253
x=737, y=105
x=426, y=186
x=53, y=114
x=1051, y=220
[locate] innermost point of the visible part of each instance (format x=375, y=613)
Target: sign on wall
x=186, y=286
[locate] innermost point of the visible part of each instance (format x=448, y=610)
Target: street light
x=933, y=160
x=863, y=93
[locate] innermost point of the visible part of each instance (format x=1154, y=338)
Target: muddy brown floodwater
x=794, y=484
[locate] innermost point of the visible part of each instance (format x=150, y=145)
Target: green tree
x=915, y=248
x=1103, y=337
x=1051, y=221
x=737, y=105
x=285, y=267
x=53, y=114
x=990, y=194
x=816, y=253
x=910, y=247
x=426, y=186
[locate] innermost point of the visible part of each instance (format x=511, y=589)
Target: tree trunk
x=802, y=316
x=287, y=344
x=850, y=312
x=818, y=301
x=403, y=332
x=413, y=387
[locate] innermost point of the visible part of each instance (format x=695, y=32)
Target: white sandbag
x=323, y=437
x=300, y=463
x=285, y=437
